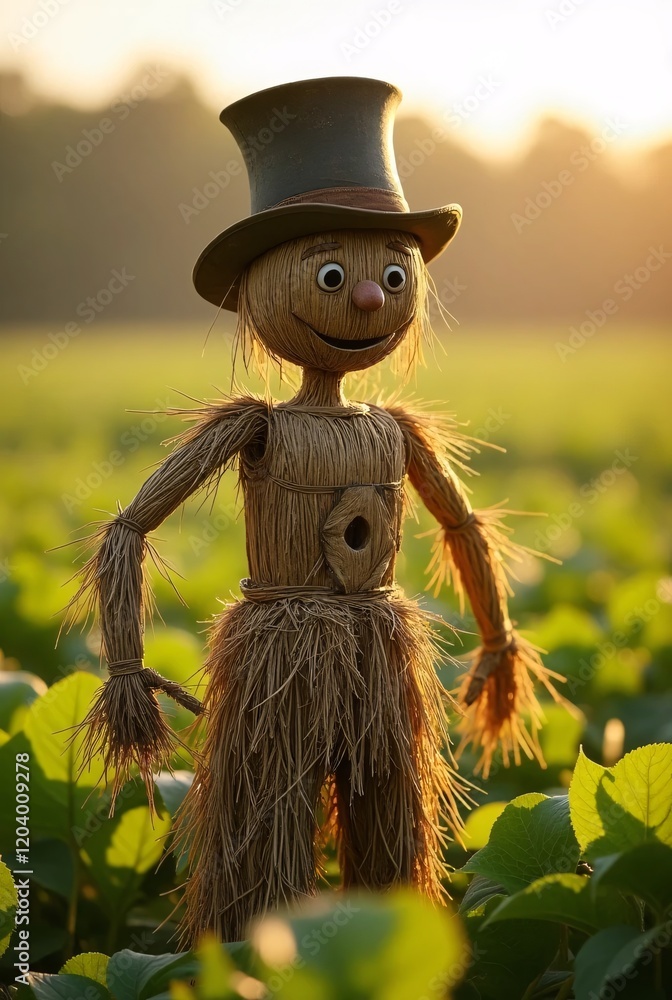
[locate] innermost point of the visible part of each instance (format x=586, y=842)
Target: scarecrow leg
x=392, y=796
x=249, y=821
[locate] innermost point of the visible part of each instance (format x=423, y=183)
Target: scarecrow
x=322, y=697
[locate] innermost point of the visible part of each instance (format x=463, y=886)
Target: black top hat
x=319, y=157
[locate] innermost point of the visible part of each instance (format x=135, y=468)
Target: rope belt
x=286, y=484
x=261, y=593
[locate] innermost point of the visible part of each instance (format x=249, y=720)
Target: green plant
x=577, y=890
x=86, y=869
x=571, y=897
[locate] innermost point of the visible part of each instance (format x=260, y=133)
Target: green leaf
x=51, y=864
x=620, y=956
x=131, y=976
x=479, y=891
x=123, y=850
x=625, y=805
x=549, y=985
x=508, y=957
x=560, y=736
x=91, y=964
x=215, y=970
x=47, y=817
x=9, y=901
x=66, y=988
x=479, y=824
x=565, y=899
x=18, y=689
x=50, y=726
x=137, y=840
x=45, y=939
x=533, y=837
x=173, y=786
x=61, y=800
x=388, y=947
x=644, y=871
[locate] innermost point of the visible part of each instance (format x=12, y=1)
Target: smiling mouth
x=344, y=344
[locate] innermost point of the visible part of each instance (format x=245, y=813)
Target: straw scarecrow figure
x=321, y=680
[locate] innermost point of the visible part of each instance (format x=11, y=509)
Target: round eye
x=394, y=278
x=330, y=277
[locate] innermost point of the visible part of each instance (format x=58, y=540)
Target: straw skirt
x=323, y=708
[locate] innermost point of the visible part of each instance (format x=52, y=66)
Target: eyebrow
x=319, y=248
x=401, y=247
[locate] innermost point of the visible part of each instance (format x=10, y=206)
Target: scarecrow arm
x=472, y=550
x=125, y=722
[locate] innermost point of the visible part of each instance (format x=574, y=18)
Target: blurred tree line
x=144, y=183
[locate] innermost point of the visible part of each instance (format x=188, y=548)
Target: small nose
x=367, y=295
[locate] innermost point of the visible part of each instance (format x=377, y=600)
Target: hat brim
x=218, y=269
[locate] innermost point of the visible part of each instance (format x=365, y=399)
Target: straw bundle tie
x=130, y=523
x=132, y=666
x=154, y=680
x=458, y=529
x=261, y=593
x=489, y=662
x=498, y=643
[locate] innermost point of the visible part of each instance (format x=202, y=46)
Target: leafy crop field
x=561, y=882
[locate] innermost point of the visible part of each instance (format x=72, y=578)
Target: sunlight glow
x=486, y=68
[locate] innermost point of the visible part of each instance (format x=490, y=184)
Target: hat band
x=374, y=199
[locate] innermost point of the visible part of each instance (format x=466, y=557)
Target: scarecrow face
x=339, y=301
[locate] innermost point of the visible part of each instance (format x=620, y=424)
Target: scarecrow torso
x=323, y=503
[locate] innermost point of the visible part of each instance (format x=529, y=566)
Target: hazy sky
x=487, y=67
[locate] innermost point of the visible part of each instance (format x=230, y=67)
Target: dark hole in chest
x=356, y=535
